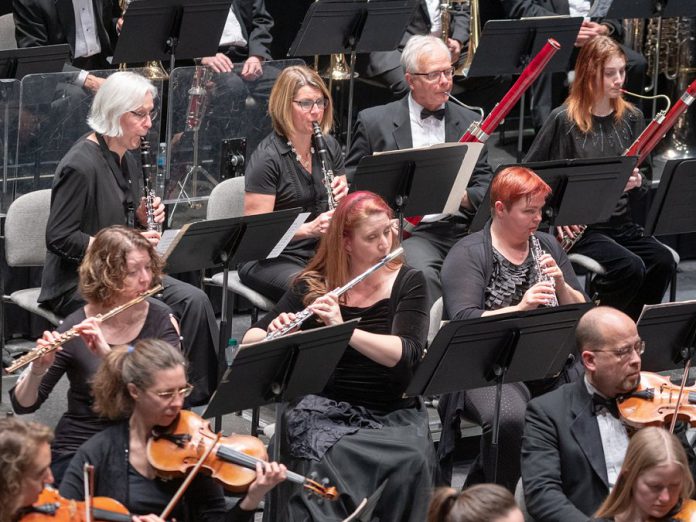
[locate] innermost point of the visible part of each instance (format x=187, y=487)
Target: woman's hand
x=551, y=269
x=634, y=180
x=281, y=321
x=327, y=310
x=41, y=365
x=141, y=212
x=91, y=333
x=339, y=188
x=320, y=225
x=268, y=475
x=152, y=236
x=541, y=294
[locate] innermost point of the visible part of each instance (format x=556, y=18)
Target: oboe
x=537, y=252
x=305, y=314
x=40, y=351
x=326, y=169
x=146, y=162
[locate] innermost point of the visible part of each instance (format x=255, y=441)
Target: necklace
x=297, y=155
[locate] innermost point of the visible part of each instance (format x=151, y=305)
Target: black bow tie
x=600, y=404
x=439, y=114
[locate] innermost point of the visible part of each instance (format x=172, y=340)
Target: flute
x=305, y=314
x=66, y=336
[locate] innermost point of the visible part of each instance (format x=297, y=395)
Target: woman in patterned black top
x=596, y=122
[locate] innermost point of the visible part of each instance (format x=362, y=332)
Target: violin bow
x=88, y=478
x=187, y=482
x=685, y=377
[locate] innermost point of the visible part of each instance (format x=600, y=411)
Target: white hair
x=120, y=93
x=416, y=47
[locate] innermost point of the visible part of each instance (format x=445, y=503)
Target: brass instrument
x=474, y=31
x=301, y=317
x=40, y=351
x=153, y=70
x=537, y=252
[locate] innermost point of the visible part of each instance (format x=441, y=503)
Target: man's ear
x=589, y=360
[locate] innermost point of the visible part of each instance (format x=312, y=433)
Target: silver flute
x=326, y=169
x=301, y=317
x=537, y=252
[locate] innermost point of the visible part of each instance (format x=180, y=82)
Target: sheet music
x=167, y=238
x=299, y=221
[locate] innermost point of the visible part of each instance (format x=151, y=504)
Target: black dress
x=360, y=431
x=89, y=195
x=274, y=170
x=638, y=267
x=76, y=361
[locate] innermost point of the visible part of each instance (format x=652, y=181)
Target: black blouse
x=358, y=379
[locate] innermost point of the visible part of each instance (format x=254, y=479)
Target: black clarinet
x=148, y=167
x=326, y=169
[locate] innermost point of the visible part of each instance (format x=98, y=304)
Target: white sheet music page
x=299, y=221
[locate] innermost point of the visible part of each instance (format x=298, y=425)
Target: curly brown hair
x=104, y=268
x=130, y=364
x=19, y=444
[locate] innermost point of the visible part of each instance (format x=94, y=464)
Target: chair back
x=435, y=319
x=25, y=229
x=227, y=199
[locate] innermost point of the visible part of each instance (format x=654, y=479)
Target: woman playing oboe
x=360, y=430
x=594, y=122
x=119, y=265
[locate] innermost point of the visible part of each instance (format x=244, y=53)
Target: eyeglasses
x=169, y=395
x=306, y=105
x=435, y=75
x=625, y=352
x=141, y=115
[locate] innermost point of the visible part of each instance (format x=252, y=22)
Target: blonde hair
x=130, y=365
x=280, y=103
x=19, y=444
x=648, y=448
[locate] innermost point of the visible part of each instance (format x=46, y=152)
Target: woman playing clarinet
x=594, y=122
x=361, y=430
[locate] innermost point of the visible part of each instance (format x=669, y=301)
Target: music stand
x=669, y=332
x=279, y=371
x=422, y=181
x=17, y=63
x=671, y=211
x=225, y=243
x=574, y=182
x=523, y=39
x=349, y=26
x=505, y=348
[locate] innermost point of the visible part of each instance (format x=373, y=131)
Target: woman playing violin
x=145, y=384
x=654, y=484
x=119, y=265
x=361, y=424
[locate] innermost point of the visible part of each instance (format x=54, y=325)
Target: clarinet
x=305, y=314
x=326, y=169
x=146, y=162
x=537, y=252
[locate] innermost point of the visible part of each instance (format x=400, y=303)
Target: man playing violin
x=574, y=443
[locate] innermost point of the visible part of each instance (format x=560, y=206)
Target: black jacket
x=256, y=26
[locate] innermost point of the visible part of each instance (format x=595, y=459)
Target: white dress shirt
x=434, y=13
x=86, y=38
x=579, y=7
x=232, y=33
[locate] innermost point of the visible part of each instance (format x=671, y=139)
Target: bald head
x=595, y=328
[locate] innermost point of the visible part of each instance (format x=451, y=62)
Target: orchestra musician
x=479, y=503
x=119, y=265
x=143, y=386
x=655, y=482
x=360, y=424
x=96, y=185
x=25, y=464
x=284, y=172
x=595, y=121
x=490, y=272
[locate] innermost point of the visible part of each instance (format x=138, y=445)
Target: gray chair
x=226, y=201
x=7, y=32
x=25, y=245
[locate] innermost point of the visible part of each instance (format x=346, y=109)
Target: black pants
x=199, y=331
x=271, y=277
x=638, y=268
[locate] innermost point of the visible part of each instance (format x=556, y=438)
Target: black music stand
x=672, y=209
x=349, y=26
x=505, y=348
x=416, y=182
x=17, y=63
x=574, y=183
x=669, y=332
x=523, y=39
x=279, y=371
x=225, y=243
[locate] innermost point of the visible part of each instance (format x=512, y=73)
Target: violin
x=51, y=507
x=176, y=449
x=687, y=512
x=654, y=401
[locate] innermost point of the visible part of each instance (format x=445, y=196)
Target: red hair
x=329, y=268
x=587, y=86
x=514, y=183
